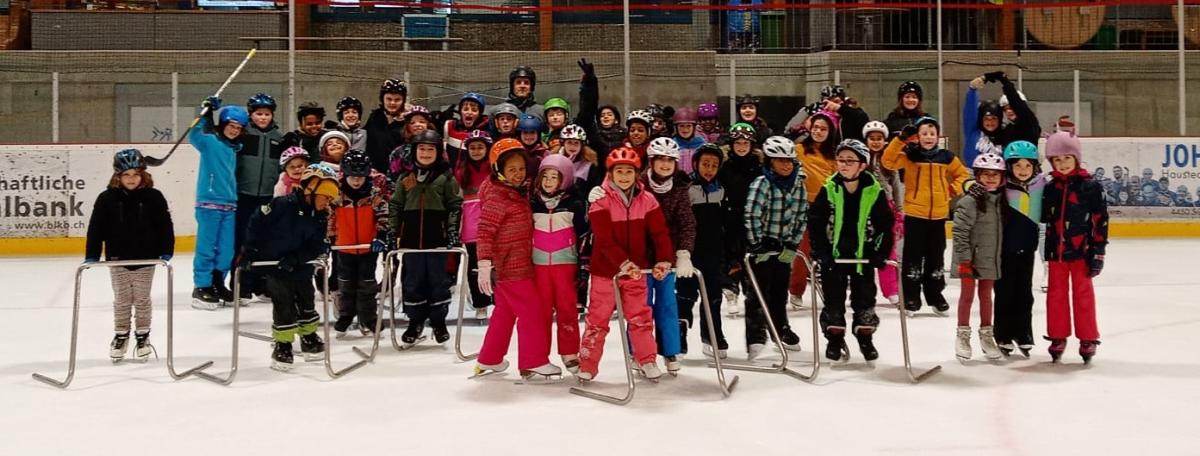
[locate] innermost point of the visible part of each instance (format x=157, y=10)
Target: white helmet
x=779, y=147
x=639, y=115
x=1004, y=99
x=663, y=147
x=988, y=160
x=875, y=125
x=573, y=131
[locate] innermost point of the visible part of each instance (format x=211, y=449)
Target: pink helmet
x=290, y=153
x=563, y=165
x=707, y=111
x=1064, y=143
x=684, y=115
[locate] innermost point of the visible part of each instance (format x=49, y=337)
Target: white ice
x=1136, y=397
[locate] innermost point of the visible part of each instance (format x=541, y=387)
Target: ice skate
x=118, y=347
x=866, y=344
x=962, y=343
x=987, y=343
x=673, y=365
x=754, y=350
x=571, y=362
x=1087, y=349
x=584, y=377
x=545, y=372
x=205, y=299
x=440, y=334
x=722, y=349
x=732, y=307
x=312, y=347
x=791, y=341
x=1025, y=349
x=342, y=326
x=281, y=357
x=483, y=370
x=796, y=303
x=1006, y=348
x=911, y=307
x=412, y=336
x=651, y=371
x=142, y=349
x=481, y=314
x=836, y=350
x=223, y=293
x=366, y=330
x=941, y=309
x=1057, y=347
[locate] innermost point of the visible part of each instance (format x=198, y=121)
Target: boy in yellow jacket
x=932, y=177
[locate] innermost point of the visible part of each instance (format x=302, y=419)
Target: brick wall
x=132, y=30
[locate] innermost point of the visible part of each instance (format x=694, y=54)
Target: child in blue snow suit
x=216, y=201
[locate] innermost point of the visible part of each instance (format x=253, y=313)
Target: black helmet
x=393, y=86
x=428, y=137
x=833, y=90
x=349, y=103
x=522, y=72
x=747, y=99
x=309, y=108
x=910, y=87
x=356, y=163
x=260, y=100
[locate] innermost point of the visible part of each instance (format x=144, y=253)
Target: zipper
x=1062, y=215
x=421, y=219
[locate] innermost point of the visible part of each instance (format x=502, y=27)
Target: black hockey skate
x=205, y=298
x=940, y=308
x=440, y=333
x=836, y=350
x=118, y=347
x=867, y=347
x=412, y=336
x=312, y=347
x=1006, y=348
x=1087, y=349
x=342, y=325
x=790, y=340
x=223, y=293
x=281, y=357
x=1057, y=347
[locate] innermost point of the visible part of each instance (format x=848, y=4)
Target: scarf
x=785, y=183
x=658, y=186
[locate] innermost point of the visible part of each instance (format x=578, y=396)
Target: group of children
x=551, y=208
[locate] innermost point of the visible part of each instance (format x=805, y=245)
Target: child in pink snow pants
x=875, y=135
x=505, y=243
x=559, y=225
x=626, y=224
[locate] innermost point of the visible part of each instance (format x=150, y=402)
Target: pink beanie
x=1064, y=143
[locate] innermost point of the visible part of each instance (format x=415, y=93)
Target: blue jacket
x=289, y=230
x=973, y=131
x=216, y=182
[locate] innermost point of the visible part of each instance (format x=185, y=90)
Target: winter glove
x=786, y=256
x=165, y=257
x=631, y=270
x=974, y=189
x=977, y=83
x=661, y=270
x=378, y=245
x=995, y=76
x=907, y=132
x=212, y=103
x=589, y=70
x=683, y=264
x=966, y=270
x=91, y=260
x=595, y=195
x=485, y=277
x=1095, y=265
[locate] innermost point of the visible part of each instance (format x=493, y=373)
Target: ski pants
x=834, y=284
x=357, y=288
x=924, y=250
x=214, y=245
x=293, y=310
x=689, y=293
x=1014, y=298
x=660, y=297
x=600, y=309
x=426, y=288
x=772, y=276
x=556, y=289
x=1070, y=292
x=517, y=305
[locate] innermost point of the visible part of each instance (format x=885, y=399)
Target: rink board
x=47, y=191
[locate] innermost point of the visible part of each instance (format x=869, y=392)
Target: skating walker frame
x=75, y=321
x=396, y=257
x=914, y=378
x=630, y=386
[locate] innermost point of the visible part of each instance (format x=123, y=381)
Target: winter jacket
x=258, y=160
x=687, y=148
x=310, y=144
x=977, y=235
x=762, y=131
x=455, y=132
x=588, y=173
x=601, y=139
x=560, y=226
x=1076, y=217
x=1026, y=128
x=677, y=210
x=426, y=216
x=897, y=120
x=708, y=207
x=506, y=231
x=893, y=186
x=130, y=225
x=776, y=209
x=470, y=176
x=736, y=174
x=1021, y=227
x=931, y=178
x=358, y=136
x=623, y=227
x=852, y=121
x=289, y=230
x=215, y=180
x=360, y=216
x=382, y=138
x=844, y=225
x=817, y=169
x=975, y=140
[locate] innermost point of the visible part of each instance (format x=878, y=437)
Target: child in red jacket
x=505, y=242
x=360, y=217
x=626, y=222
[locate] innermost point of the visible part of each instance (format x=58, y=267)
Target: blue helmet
x=128, y=159
x=1021, y=149
x=529, y=123
x=234, y=114
x=472, y=96
x=260, y=100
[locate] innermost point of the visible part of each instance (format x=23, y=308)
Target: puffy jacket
x=470, y=176
x=623, y=227
x=931, y=179
x=975, y=140
x=817, y=170
x=310, y=144
x=289, y=230
x=215, y=180
x=687, y=148
x=130, y=225
x=775, y=210
x=360, y=216
x=1026, y=128
x=677, y=210
x=844, y=225
x=1022, y=225
x=897, y=120
x=382, y=138
x=455, y=133
x=852, y=120
x=258, y=160
x=506, y=231
x=735, y=175
x=977, y=235
x=601, y=139
x=558, y=231
x=358, y=136
x=1076, y=217
x=708, y=206
x=426, y=216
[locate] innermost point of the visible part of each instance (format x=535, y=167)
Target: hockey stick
x=153, y=161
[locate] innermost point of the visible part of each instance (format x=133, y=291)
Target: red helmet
x=623, y=156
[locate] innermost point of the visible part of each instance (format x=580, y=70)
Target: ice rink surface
x=1137, y=397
